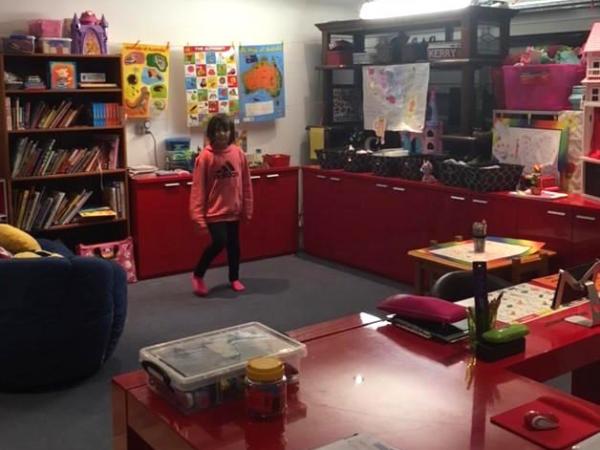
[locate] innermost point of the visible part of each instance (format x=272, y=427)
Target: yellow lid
x=264, y=369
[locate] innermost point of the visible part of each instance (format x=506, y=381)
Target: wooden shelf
x=65, y=130
x=62, y=91
x=69, y=175
x=458, y=137
x=72, y=226
x=61, y=57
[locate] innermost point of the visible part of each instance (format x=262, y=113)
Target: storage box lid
x=202, y=359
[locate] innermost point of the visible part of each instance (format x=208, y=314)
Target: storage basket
x=46, y=28
x=451, y=174
x=499, y=177
x=332, y=158
x=388, y=163
x=359, y=161
x=540, y=87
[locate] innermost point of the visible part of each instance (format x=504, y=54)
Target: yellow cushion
x=17, y=241
x=23, y=255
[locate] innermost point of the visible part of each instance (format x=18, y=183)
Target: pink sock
x=199, y=287
x=237, y=286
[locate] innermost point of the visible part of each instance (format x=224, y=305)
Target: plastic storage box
x=18, y=43
x=54, y=46
x=277, y=160
x=45, y=28
x=179, y=154
x=540, y=87
x=201, y=371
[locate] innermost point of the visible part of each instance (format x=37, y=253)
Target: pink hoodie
x=221, y=187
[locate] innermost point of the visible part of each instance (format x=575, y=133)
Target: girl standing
x=221, y=197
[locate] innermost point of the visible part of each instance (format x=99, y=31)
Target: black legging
x=223, y=234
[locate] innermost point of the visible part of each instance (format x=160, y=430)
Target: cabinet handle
x=189, y=183
x=171, y=184
x=457, y=198
x=588, y=218
x=273, y=175
x=556, y=213
x=383, y=186
x=255, y=177
x=335, y=179
x=399, y=189
x=321, y=177
x=480, y=202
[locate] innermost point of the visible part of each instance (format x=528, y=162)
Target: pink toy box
x=540, y=87
x=45, y=28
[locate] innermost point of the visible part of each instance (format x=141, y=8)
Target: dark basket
x=499, y=177
x=386, y=166
x=410, y=167
x=451, y=174
x=332, y=158
x=358, y=162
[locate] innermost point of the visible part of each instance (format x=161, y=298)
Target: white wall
x=211, y=22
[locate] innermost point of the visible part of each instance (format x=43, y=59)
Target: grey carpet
x=284, y=293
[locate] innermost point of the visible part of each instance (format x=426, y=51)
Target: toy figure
x=427, y=171
x=88, y=34
x=536, y=180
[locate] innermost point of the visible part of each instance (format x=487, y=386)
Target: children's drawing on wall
x=145, y=79
x=211, y=83
x=263, y=94
x=397, y=92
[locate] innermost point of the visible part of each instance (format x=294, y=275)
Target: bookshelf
x=63, y=149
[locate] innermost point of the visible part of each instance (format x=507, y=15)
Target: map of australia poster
x=211, y=82
x=262, y=96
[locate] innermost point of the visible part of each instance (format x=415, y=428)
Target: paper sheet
x=357, y=442
x=493, y=250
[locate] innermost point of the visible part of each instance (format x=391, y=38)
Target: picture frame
x=63, y=74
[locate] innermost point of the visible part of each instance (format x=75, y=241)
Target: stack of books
x=114, y=196
x=106, y=114
x=40, y=115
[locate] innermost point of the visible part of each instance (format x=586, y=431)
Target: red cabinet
x=586, y=235
x=547, y=222
x=166, y=241
x=371, y=222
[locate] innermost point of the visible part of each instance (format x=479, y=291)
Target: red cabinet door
x=500, y=215
x=273, y=229
x=449, y=215
x=586, y=236
x=548, y=223
x=317, y=191
x=158, y=227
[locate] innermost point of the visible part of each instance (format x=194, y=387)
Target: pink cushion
x=423, y=308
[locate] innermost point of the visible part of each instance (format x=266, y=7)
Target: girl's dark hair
x=220, y=122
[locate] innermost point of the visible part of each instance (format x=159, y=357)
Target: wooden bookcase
x=80, y=134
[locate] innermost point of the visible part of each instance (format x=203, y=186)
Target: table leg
x=119, y=418
x=419, y=288
x=584, y=383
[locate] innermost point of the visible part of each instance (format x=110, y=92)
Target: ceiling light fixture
x=380, y=9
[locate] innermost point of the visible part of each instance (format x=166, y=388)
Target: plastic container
x=332, y=158
x=204, y=370
x=46, y=28
x=277, y=160
x=266, y=393
x=179, y=154
x=54, y=46
x=18, y=44
x=540, y=87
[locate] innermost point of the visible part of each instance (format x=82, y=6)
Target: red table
x=364, y=375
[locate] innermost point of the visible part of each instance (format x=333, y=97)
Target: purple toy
x=88, y=34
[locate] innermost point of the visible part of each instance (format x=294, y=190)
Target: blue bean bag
x=60, y=318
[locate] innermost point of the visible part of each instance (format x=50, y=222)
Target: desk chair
x=458, y=285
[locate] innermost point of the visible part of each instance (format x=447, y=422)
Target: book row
x=43, y=115
x=42, y=209
x=39, y=158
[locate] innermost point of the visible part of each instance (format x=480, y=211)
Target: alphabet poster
x=211, y=82
x=145, y=79
x=396, y=95
x=263, y=94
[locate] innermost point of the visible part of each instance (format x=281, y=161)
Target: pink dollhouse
x=591, y=107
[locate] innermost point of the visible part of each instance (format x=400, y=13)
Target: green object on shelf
x=506, y=334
